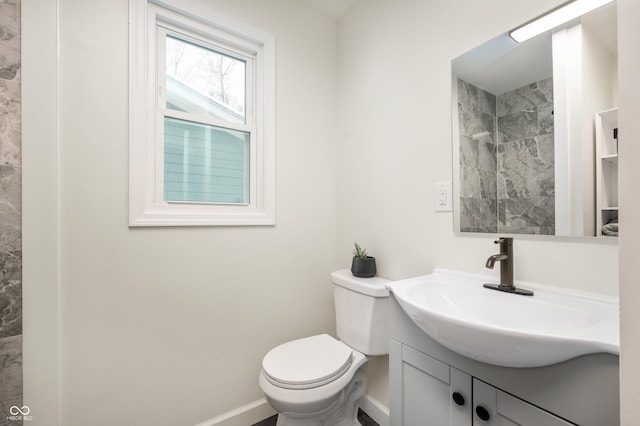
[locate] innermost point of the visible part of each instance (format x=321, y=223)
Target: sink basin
x=455, y=310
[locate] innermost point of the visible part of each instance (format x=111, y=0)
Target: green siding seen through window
x=204, y=163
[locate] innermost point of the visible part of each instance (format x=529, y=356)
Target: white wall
x=629, y=93
x=40, y=212
x=169, y=326
x=395, y=143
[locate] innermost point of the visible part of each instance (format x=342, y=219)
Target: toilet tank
x=361, y=312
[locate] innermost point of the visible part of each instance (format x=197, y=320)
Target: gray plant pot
x=363, y=268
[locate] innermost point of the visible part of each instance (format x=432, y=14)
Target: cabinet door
x=493, y=407
x=461, y=398
x=425, y=391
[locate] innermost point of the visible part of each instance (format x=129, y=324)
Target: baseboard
x=259, y=410
x=375, y=409
x=242, y=416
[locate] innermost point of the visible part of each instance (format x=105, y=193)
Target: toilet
x=319, y=380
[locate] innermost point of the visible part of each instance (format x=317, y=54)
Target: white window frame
x=146, y=167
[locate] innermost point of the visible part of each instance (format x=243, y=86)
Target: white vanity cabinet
x=434, y=393
x=427, y=387
x=493, y=407
x=430, y=385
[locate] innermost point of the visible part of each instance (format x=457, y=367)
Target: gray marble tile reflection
x=480, y=154
x=10, y=172
x=545, y=119
x=478, y=215
x=10, y=212
x=525, y=157
x=529, y=214
x=10, y=377
x=10, y=294
x=526, y=168
x=478, y=171
x=526, y=98
x=473, y=121
x=477, y=183
x=475, y=98
x=509, y=161
x=517, y=125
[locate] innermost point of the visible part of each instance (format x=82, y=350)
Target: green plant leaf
x=359, y=251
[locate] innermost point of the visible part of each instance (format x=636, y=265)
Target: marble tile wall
x=507, y=159
x=526, y=183
x=478, y=159
x=10, y=213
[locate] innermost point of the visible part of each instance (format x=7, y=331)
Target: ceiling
x=334, y=9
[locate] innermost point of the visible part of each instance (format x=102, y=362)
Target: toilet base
x=343, y=412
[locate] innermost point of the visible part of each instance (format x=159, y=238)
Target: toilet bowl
x=312, y=380
x=320, y=380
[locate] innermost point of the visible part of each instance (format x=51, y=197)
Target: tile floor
x=362, y=417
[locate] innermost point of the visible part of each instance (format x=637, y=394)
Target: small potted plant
x=362, y=266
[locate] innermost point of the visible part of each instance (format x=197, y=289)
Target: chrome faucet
x=505, y=257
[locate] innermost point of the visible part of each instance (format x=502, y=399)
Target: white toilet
x=319, y=380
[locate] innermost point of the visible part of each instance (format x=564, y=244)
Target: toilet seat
x=307, y=363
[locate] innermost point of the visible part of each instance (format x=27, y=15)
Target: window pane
x=204, y=81
x=205, y=164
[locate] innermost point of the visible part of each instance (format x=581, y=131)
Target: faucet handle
x=504, y=240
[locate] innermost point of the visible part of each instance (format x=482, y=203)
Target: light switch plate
x=442, y=196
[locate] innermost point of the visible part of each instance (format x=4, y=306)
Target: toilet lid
x=307, y=363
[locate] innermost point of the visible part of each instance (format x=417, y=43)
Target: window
x=202, y=139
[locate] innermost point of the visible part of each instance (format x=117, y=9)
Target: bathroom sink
x=454, y=309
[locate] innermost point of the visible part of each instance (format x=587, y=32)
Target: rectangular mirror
x=534, y=148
